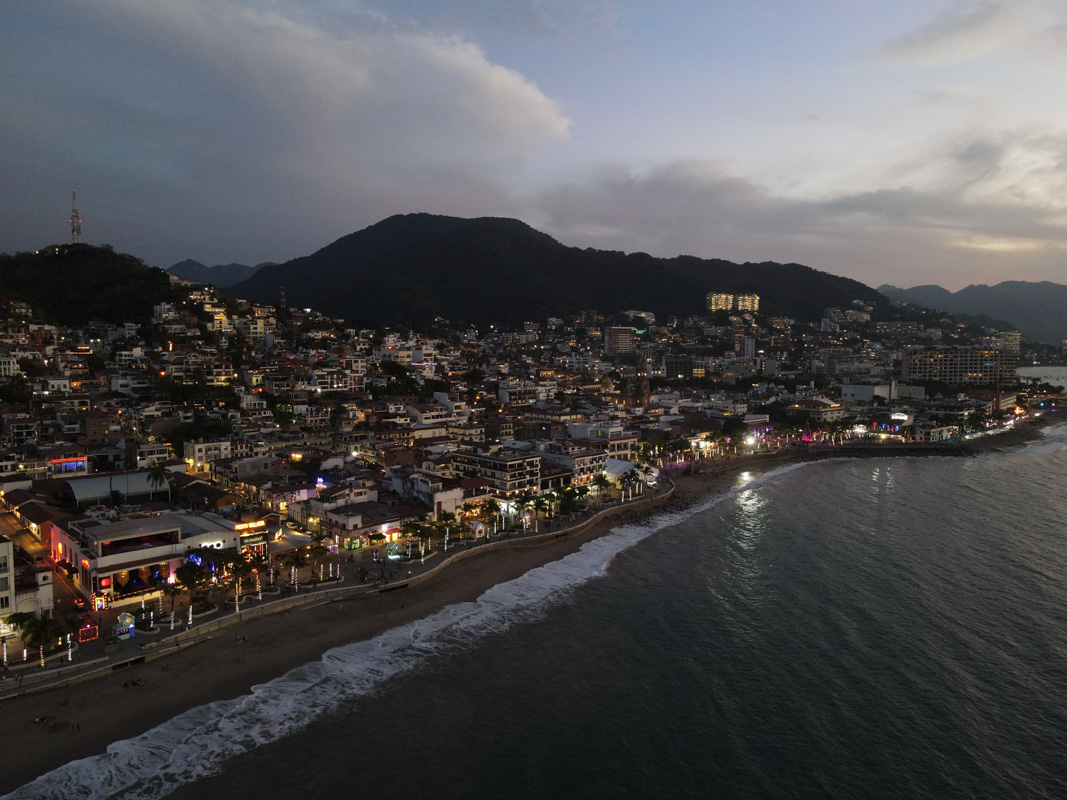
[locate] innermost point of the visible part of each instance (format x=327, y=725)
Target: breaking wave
x=195, y=744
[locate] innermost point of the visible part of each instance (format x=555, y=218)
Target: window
x=5, y=602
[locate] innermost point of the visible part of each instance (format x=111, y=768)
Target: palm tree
x=295, y=559
x=581, y=492
x=158, y=476
x=19, y=618
x=447, y=522
x=411, y=528
x=190, y=575
x=567, y=500
x=172, y=590
x=646, y=472
x=601, y=483
x=39, y=631
x=239, y=567
x=492, y=507
x=318, y=551
x=541, y=505
x=258, y=562
x=526, y=501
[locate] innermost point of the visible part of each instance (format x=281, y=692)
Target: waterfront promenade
x=360, y=577
x=90, y=705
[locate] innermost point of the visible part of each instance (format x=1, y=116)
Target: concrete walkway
x=360, y=576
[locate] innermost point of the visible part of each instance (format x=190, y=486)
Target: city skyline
x=906, y=144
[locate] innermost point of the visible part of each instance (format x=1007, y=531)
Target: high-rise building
x=7, y=580
x=960, y=364
x=748, y=302
x=619, y=340
x=720, y=302
x=746, y=347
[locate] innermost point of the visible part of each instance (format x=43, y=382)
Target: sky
x=905, y=142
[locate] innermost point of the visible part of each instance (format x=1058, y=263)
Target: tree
x=16, y=390
x=295, y=559
x=172, y=590
x=318, y=551
x=39, y=631
x=239, y=568
x=158, y=476
x=601, y=483
x=567, y=500
x=190, y=575
x=525, y=501
x=19, y=618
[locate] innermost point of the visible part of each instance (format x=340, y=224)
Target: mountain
x=1038, y=310
x=412, y=268
x=71, y=284
x=220, y=275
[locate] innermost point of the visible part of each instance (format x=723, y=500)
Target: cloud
x=569, y=20
x=966, y=30
x=963, y=220
x=261, y=113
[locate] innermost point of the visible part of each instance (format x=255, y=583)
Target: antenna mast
x=75, y=220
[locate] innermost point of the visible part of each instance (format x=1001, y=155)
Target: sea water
x=845, y=629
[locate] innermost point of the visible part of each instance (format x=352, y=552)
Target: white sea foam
x=195, y=744
x=1052, y=438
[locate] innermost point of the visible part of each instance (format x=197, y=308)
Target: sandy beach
x=87, y=717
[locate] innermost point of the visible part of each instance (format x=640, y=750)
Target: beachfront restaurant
x=253, y=530
x=127, y=557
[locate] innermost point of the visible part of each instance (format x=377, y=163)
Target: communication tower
x=75, y=220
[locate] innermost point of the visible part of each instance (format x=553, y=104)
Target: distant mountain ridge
x=220, y=275
x=412, y=268
x=1037, y=309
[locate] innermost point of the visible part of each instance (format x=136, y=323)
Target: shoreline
x=270, y=645
x=89, y=716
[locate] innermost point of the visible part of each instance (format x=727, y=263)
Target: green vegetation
x=73, y=284
x=415, y=268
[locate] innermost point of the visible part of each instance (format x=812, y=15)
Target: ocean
x=845, y=629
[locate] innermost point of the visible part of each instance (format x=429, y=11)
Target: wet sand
x=88, y=716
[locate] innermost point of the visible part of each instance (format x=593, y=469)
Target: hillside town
x=152, y=475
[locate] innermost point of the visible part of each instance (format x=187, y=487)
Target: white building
x=7, y=578
x=127, y=556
